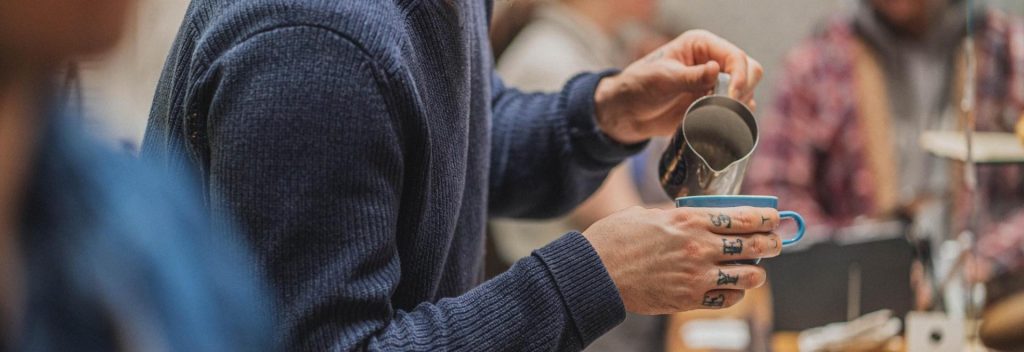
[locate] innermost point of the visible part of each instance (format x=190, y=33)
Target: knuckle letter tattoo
x=714, y=301
x=732, y=247
x=721, y=220
x=726, y=279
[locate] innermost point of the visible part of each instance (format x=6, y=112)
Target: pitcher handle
x=722, y=84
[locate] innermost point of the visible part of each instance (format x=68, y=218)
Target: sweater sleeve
x=307, y=154
x=547, y=153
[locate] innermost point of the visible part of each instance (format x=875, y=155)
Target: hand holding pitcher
x=649, y=97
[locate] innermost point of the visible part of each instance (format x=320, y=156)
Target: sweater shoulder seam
x=382, y=80
x=363, y=49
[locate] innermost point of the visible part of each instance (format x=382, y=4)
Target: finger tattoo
x=714, y=301
x=721, y=220
x=726, y=279
x=764, y=220
x=732, y=247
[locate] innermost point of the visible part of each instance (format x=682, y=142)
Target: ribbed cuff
x=587, y=290
x=583, y=128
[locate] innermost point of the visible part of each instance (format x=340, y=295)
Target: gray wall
x=1014, y=6
x=766, y=29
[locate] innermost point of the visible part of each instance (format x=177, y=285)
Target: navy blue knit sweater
x=363, y=144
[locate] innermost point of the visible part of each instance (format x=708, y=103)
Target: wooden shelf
x=989, y=147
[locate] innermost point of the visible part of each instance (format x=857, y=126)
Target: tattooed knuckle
x=725, y=279
x=733, y=247
x=721, y=220
x=714, y=300
x=727, y=301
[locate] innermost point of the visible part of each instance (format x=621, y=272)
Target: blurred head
x=637, y=10
x=912, y=16
x=617, y=12
x=49, y=31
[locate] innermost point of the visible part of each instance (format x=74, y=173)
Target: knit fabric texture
x=362, y=144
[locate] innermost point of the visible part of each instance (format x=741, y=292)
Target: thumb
x=697, y=78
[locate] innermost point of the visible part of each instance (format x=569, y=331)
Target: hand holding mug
x=726, y=201
x=667, y=261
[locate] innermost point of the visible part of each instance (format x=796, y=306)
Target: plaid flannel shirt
x=812, y=155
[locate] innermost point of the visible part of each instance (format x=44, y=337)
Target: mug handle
x=800, y=228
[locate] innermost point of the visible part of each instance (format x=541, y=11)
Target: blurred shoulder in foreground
x=120, y=256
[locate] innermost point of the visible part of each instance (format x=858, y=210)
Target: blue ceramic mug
x=740, y=201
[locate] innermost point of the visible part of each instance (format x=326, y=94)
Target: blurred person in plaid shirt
x=839, y=144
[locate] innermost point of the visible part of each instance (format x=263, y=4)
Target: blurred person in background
x=509, y=18
x=99, y=252
x=840, y=143
x=566, y=37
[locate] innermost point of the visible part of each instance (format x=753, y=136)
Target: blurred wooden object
x=754, y=308
x=788, y=341
x=1004, y=286
x=1020, y=129
x=1002, y=324
x=989, y=147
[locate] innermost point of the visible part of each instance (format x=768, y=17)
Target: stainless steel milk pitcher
x=710, y=153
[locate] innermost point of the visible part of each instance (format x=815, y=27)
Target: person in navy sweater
x=364, y=143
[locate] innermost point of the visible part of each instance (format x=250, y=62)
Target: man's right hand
x=668, y=261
